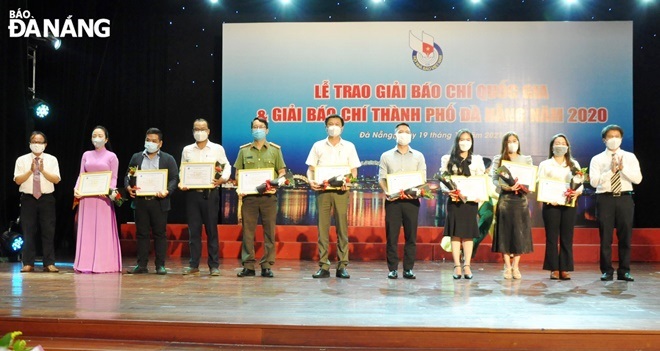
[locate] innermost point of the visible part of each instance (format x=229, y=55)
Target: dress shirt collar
x=146, y=154
x=327, y=141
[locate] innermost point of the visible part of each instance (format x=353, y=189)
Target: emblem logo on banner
x=426, y=55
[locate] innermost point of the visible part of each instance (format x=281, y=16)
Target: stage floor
x=368, y=299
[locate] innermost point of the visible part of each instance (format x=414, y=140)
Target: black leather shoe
x=266, y=272
x=246, y=273
x=161, y=270
x=342, y=273
x=408, y=274
x=138, y=270
x=626, y=276
x=321, y=273
x=393, y=274
x=607, y=277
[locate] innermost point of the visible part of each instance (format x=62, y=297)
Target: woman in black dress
x=513, y=229
x=461, y=222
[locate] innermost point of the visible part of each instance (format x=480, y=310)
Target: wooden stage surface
x=69, y=311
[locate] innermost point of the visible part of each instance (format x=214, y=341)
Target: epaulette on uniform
x=274, y=145
x=245, y=145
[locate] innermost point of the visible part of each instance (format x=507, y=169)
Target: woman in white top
x=512, y=236
x=559, y=220
x=461, y=221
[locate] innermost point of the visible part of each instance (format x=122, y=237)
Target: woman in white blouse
x=559, y=220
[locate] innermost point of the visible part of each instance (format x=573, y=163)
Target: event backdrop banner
x=535, y=78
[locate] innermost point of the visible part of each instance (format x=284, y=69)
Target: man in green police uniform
x=259, y=154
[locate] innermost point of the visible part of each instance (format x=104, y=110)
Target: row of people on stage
x=611, y=172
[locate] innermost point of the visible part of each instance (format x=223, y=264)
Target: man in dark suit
x=151, y=211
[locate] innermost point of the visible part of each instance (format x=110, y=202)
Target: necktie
x=36, y=180
x=616, y=180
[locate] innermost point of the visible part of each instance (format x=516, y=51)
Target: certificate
x=474, y=188
x=94, y=183
x=552, y=191
x=323, y=173
x=526, y=174
x=250, y=179
x=403, y=181
x=197, y=175
x=150, y=182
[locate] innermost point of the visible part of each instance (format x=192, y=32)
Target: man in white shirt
x=332, y=151
x=203, y=205
x=36, y=174
x=612, y=173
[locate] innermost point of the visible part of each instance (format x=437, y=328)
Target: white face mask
x=613, y=143
x=512, y=147
x=465, y=145
x=403, y=139
x=334, y=131
x=98, y=142
x=151, y=147
x=559, y=150
x=200, y=135
x=37, y=148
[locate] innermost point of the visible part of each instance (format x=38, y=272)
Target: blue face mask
x=150, y=146
x=259, y=134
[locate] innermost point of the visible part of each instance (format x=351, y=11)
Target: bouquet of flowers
x=285, y=180
x=339, y=181
x=508, y=179
x=11, y=342
x=417, y=192
x=118, y=196
x=445, y=179
x=580, y=176
x=218, y=170
x=132, y=180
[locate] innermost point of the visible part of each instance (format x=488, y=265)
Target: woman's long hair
x=567, y=156
x=455, y=159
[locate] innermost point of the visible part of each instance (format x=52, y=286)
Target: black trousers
x=615, y=212
x=559, y=222
x=38, y=215
x=150, y=218
x=203, y=209
x=400, y=212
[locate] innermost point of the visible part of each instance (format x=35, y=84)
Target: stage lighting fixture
x=213, y=1
x=12, y=242
x=40, y=108
x=56, y=42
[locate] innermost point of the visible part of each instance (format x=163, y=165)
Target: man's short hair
x=157, y=132
x=262, y=120
x=401, y=124
x=36, y=132
x=334, y=116
x=610, y=127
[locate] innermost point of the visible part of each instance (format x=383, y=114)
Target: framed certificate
x=197, y=175
x=322, y=173
x=250, y=179
x=94, y=183
x=404, y=180
x=474, y=188
x=150, y=182
x=526, y=174
x=552, y=191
